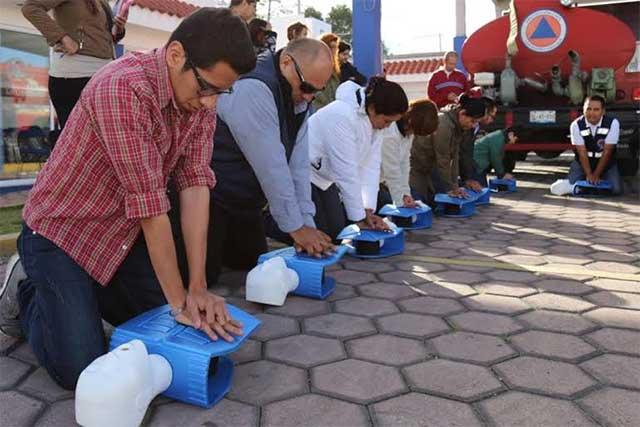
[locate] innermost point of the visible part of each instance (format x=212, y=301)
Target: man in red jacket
x=446, y=84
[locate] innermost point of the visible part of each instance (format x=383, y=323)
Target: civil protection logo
x=543, y=30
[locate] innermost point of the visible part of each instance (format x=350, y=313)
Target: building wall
x=414, y=85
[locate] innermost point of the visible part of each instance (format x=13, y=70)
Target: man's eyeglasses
x=305, y=86
x=206, y=88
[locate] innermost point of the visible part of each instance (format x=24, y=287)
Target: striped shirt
x=110, y=168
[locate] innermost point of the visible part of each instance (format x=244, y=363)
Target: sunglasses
x=305, y=86
x=206, y=88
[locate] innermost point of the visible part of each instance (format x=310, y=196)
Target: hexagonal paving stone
x=544, y=376
x=469, y=347
x=59, y=414
x=387, y=349
x=275, y=327
x=437, y=253
x=12, y=370
x=505, y=289
x=551, y=301
x=616, y=299
x=615, y=317
x=496, y=304
x=566, y=287
x=249, y=351
x=528, y=410
x=368, y=266
x=452, y=379
x=299, y=307
x=224, y=413
x=339, y=326
x=557, y=321
x=430, y=305
x=6, y=342
x=617, y=340
x=615, y=285
x=405, y=277
x=243, y=304
x=613, y=267
x=408, y=409
x=40, y=384
x=412, y=325
x=614, y=406
x=558, y=346
x=420, y=267
x=24, y=353
x=485, y=323
x=314, y=410
x=358, y=381
x=615, y=369
x=305, y=350
x=342, y=292
x=446, y=290
x=18, y=409
x=261, y=382
x=363, y=306
x=513, y=276
x=568, y=259
x=459, y=277
x=383, y=290
x=445, y=244
x=522, y=259
x=351, y=277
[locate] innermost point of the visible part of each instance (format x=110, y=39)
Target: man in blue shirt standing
x=261, y=157
x=594, y=136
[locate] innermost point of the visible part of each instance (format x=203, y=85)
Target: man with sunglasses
x=97, y=243
x=261, y=158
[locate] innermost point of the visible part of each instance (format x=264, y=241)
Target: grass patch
x=10, y=219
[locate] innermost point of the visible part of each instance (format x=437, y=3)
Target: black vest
x=595, y=144
x=237, y=186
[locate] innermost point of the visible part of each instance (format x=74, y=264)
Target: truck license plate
x=542, y=116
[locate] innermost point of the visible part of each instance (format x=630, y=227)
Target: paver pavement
x=449, y=339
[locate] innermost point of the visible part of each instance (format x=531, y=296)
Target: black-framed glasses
x=206, y=88
x=305, y=86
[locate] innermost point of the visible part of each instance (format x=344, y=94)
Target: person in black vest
x=594, y=136
x=261, y=158
x=347, y=70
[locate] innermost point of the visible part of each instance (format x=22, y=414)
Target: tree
x=311, y=12
x=340, y=19
x=385, y=50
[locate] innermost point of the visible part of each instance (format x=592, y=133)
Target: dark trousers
x=64, y=94
x=330, y=217
x=61, y=306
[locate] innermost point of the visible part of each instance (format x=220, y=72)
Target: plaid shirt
x=113, y=160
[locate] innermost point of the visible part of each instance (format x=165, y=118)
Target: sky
x=416, y=26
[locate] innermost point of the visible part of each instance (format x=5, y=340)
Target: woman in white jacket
x=420, y=120
x=344, y=150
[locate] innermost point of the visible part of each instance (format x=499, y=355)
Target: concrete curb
x=8, y=244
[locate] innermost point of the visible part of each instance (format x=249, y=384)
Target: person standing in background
x=328, y=94
x=82, y=34
x=446, y=84
x=245, y=9
x=347, y=70
x=296, y=31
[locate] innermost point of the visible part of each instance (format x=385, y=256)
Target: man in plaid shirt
x=141, y=120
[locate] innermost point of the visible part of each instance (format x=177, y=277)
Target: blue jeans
x=612, y=176
x=61, y=306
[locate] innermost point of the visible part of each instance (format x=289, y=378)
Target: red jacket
x=440, y=86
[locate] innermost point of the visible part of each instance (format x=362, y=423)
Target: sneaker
x=9, y=309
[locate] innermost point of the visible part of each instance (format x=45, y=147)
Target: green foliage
x=311, y=12
x=340, y=19
x=10, y=219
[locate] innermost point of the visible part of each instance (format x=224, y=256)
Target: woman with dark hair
x=347, y=70
x=488, y=153
x=434, y=159
x=262, y=37
x=328, y=94
x=420, y=120
x=344, y=150
x=82, y=34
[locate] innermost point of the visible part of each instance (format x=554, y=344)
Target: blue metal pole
x=366, y=40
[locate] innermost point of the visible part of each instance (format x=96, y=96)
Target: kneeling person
x=97, y=241
x=594, y=136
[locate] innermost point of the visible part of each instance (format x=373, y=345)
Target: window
x=25, y=111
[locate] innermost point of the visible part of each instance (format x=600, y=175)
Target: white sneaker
x=9, y=308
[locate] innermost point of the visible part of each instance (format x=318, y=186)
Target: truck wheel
x=548, y=154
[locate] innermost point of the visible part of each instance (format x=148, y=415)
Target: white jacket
x=396, y=156
x=344, y=149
